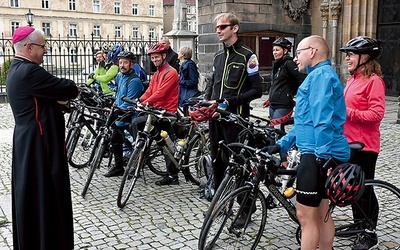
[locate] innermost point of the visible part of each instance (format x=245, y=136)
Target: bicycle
x=81, y=134
x=220, y=230
x=253, y=134
x=191, y=146
x=83, y=125
x=102, y=143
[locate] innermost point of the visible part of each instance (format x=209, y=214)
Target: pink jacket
x=365, y=108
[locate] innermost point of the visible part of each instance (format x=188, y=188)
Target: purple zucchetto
x=22, y=32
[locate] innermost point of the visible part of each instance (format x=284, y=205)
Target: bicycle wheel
x=193, y=167
x=155, y=160
x=239, y=163
x=98, y=153
x=220, y=231
x=228, y=184
x=131, y=174
x=79, y=145
x=387, y=228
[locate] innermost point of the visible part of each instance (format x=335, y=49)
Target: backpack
x=145, y=84
x=142, y=74
x=208, y=190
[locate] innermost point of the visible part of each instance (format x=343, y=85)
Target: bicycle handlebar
x=148, y=108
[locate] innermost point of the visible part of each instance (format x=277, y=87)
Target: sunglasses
x=223, y=26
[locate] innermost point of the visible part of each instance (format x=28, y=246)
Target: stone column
x=336, y=6
x=325, y=16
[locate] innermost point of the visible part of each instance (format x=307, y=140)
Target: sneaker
x=168, y=180
x=366, y=241
x=114, y=172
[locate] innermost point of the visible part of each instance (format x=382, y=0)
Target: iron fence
x=73, y=57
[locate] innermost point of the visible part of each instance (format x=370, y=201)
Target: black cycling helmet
x=364, y=45
x=114, y=52
x=283, y=42
x=128, y=55
x=345, y=184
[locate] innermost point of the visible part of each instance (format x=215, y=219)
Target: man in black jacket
x=235, y=80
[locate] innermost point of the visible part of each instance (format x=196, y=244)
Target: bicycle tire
x=193, y=168
x=131, y=174
x=71, y=141
x=79, y=150
x=98, y=153
x=155, y=160
x=387, y=229
x=219, y=233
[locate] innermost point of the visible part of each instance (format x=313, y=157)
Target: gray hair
x=31, y=38
x=186, y=52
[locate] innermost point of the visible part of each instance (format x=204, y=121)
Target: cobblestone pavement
x=167, y=217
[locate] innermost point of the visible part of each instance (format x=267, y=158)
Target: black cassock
x=41, y=193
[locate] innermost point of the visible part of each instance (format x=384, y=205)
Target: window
x=72, y=5
x=46, y=27
x=152, y=33
x=135, y=9
x=97, y=30
x=47, y=58
x=188, y=10
x=117, y=31
x=45, y=4
x=152, y=10
x=73, y=30
x=96, y=6
x=135, y=32
x=73, y=57
x=14, y=3
x=14, y=25
x=117, y=8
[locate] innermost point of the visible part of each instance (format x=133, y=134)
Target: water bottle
x=293, y=161
x=168, y=141
x=223, y=105
x=180, y=147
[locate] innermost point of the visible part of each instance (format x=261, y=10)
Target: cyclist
x=365, y=104
x=172, y=56
x=236, y=82
x=129, y=85
x=163, y=92
x=111, y=70
x=318, y=133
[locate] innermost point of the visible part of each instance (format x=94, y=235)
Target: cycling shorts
x=310, y=185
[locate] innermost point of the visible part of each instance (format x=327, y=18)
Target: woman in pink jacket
x=365, y=107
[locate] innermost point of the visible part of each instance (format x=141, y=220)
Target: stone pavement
x=167, y=217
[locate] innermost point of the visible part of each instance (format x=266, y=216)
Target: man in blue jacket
x=129, y=85
x=318, y=133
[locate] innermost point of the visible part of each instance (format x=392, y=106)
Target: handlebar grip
x=126, y=99
x=222, y=111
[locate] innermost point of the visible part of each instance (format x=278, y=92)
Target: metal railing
x=73, y=57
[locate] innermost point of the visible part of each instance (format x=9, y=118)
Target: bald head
x=311, y=51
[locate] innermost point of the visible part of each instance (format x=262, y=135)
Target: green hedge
x=4, y=70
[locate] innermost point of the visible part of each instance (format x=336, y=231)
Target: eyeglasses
x=44, y=46
x=223, y=26
x=298, y=50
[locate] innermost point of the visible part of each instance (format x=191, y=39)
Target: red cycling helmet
x=157, y=48
x=202, y=113
x=345, y=184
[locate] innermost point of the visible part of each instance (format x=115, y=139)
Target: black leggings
x=368, y=202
